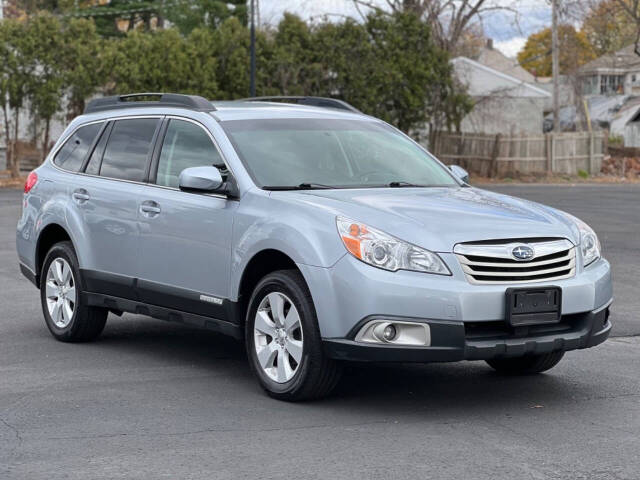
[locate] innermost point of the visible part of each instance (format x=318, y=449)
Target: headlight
x=589, y=243
x=384, y=251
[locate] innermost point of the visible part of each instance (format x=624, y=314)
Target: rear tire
x=67, y=316
x=527, y=365
x=283, y=340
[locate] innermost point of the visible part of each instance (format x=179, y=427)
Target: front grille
x=492, y=263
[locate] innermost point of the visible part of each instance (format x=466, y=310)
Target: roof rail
x=324, y=102
x=192, y=102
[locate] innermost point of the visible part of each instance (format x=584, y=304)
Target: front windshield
x=331, y=153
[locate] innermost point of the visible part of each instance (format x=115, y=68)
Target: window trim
x=152, y=145
x=107, y=133
x=89, y=151
x=109, y=119
x=147, y=183
x=153, y=174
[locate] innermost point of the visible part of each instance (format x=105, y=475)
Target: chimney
x=489, y=43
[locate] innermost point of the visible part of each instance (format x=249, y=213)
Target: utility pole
x=252, y=82
x=555, y=64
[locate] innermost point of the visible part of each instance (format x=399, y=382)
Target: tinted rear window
x=126, y=153
x=71, y=155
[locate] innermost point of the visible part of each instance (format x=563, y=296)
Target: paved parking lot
x=156, y=400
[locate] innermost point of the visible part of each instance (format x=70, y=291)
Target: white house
x=616, y=73
x=503, y=103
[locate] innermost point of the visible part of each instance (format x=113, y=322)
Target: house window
x=590, y=85
x=611, y=84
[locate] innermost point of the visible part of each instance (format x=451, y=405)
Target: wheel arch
x=50, y=235
x=261, y=264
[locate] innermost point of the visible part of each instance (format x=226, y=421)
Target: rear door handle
x=149, y=208
x=80, y=195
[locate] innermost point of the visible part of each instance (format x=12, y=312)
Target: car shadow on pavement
x=438, y=387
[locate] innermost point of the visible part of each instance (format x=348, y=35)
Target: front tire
x=283, y=340
x=68, y=318
x=527, y=365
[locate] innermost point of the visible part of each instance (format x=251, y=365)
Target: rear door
x=108, y=198
x=185, y=237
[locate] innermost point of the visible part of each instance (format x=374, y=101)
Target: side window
x=185, y=145
x=71, y=155
x=127, y=150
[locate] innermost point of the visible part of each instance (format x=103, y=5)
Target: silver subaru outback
x=312, y=231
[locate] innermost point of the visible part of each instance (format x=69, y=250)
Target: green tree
x=575, y=51
x=230, y=46
x=44, y=50
x=160, y=61
x=294, y=67
x=81, y=62
x=187, y=16
x=391, y=68
x=16, y=73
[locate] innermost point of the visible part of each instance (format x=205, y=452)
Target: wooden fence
x=500, y=155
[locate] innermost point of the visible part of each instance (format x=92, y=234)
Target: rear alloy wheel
x=60, y=289
x=67, y=316
x=283, y=340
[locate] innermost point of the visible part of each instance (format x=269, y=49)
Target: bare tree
x=450, y=20
x=632, y=9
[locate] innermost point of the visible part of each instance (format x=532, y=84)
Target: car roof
x=253, y=110
x=227, y=110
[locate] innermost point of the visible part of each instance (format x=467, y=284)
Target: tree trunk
x=15, y=161
x=45, y=146
x=7, y=136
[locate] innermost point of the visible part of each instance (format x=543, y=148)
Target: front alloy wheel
x=278, y=337
x=283, y=339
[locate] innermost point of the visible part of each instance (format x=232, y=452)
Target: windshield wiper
x=403, y=185
x=301, y=186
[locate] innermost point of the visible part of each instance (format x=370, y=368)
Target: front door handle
x=149, y=208
x=80, y=196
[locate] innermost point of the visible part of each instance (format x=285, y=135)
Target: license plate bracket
x=533, y=306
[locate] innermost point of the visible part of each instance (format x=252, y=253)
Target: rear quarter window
x=75, y=149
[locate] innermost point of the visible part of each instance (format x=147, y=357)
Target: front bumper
x=466, y=321
x=453, y=341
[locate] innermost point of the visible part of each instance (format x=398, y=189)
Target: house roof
x=483, y=81
x=611, y=111
x=495, y=59
x=623, y=60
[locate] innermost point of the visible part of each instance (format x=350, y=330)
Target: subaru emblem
x=522, y=252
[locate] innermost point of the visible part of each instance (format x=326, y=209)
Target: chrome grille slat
x=557, y=260
x=465, y=261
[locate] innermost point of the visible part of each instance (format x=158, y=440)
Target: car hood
x=439, y=218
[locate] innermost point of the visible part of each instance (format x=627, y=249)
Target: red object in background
x=32, y=179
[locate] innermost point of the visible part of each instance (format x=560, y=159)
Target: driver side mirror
x=460, y=173
x=201, y=179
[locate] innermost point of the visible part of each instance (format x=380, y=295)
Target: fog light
x=396, y=332
x=389, y=333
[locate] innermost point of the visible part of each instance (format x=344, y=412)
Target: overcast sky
x=509, y=35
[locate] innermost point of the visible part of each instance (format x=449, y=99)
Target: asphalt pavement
x=155, y=400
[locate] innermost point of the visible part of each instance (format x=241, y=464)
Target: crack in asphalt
x=220, y=430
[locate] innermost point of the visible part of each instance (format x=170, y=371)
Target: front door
x=185, y=238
